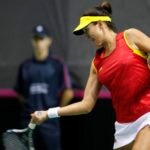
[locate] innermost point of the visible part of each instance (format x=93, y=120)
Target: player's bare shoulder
x=133, y=36
x=131, y=33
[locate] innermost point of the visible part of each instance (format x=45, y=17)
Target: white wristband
x=53, y=112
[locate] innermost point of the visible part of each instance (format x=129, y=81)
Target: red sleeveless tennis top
x=125, y=73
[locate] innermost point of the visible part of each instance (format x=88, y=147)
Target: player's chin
x=98, y=45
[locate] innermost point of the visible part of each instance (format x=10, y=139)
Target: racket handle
x=32, y=126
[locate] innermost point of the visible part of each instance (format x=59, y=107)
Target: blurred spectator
x=43, y=82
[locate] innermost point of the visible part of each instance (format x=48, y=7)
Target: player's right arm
x=83, y=107
x=90, y=97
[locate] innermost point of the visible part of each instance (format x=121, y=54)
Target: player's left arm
x=139, y=40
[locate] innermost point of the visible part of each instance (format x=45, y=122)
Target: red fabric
x=127, y=77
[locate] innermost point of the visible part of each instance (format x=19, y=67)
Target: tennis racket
x=19, y=139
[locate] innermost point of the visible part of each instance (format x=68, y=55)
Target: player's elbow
x=88, y=108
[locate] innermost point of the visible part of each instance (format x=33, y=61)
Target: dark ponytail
x=105, y=6
x=104, y=9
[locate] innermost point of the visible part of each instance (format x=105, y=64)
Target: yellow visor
x=86, y=20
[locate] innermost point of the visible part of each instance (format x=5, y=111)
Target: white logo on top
x=39, y=88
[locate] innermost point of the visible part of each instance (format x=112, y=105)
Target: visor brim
x=78, y=32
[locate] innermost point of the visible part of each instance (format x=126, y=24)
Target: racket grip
x=32, y=126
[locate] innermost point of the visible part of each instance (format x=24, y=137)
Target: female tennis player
x=121, y=65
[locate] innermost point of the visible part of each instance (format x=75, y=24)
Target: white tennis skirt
x=126, y=132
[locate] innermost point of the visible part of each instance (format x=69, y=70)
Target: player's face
x=95, y=33
x=41, y=47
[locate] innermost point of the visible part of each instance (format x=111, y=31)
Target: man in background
x=43, y=82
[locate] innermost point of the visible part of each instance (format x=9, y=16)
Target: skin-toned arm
x=139, y=40
x=83, y=107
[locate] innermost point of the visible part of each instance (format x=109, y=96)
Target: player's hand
x=148, y=60
x=39, y=117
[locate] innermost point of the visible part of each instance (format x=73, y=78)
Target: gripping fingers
x=38, y=113
x=39, y=117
